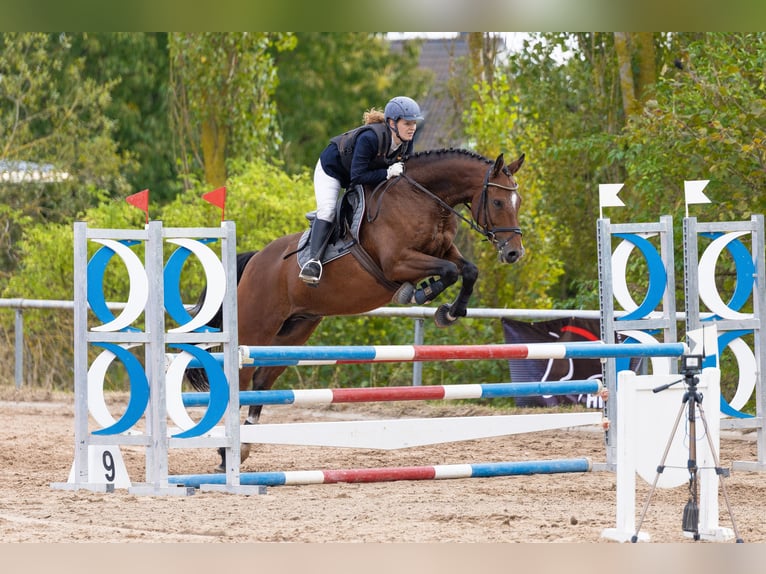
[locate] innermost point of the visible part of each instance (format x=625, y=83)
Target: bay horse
x=407, y=236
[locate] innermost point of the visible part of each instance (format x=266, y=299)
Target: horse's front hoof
x=442, y=317
x=404, y=295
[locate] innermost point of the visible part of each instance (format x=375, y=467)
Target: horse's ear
x=498, y=166
x=513, y=167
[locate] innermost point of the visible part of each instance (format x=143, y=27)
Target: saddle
x=344, y=238
x=348, y=220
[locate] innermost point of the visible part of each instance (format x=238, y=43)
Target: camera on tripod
x=691, y=364
x=691, y=368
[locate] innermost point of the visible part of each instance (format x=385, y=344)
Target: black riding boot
x=311, y=272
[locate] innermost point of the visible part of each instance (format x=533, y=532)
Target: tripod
x=692, y=401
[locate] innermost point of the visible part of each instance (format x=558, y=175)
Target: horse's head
x=496, y=209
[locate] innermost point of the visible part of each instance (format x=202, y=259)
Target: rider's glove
x=395, y=169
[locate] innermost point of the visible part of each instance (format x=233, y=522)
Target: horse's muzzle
x=510, y=252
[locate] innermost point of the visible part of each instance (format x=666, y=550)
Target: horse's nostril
x=513, y=256
x=509, y=256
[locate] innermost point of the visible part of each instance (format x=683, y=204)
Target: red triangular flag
x=217, y=197
x=141, y=201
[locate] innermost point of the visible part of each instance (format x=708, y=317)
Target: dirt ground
x=38, y=449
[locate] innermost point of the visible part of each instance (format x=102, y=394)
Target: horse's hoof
x=404, y=295
x=442, y=317
x=244, y=452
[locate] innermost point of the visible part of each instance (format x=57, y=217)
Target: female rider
x=366, y=155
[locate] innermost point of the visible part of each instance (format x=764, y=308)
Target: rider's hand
x=395, y=169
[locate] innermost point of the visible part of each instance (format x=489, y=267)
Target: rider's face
x=407, y=129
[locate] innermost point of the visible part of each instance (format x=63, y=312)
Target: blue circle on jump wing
x=658, y=277
x=745, y=283
x=627, y=363
x=219, y=391
x=96, y=269
x=139, y=390
x=172, y=286
x=724, y=339
x=623, y=363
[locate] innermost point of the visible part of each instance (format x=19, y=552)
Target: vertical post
x=156, y=423
x=19, y=347
x=231, y=351
x=81, y=435
x=417, y=366
x=609, y=366
x=626, y=465
x=691, y=276
x=759, y=312
x=669, y=297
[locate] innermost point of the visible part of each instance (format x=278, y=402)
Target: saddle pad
x=352, y=202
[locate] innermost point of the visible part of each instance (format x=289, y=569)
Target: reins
x=486, y=231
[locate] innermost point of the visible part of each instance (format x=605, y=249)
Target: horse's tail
x=197, y=376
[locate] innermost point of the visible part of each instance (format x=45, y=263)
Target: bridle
x=489, y=232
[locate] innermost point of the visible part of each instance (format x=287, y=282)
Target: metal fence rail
x=418, y=314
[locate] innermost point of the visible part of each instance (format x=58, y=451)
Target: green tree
x=330, y=79
x=694, y=109
x=558, y=100
x=52, y=115
x=636, y=61
x=223, y=108
x=490, y=121
x=137, y=65
x=707, y=120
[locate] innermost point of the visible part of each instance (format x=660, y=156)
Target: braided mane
x=445, y=151
x=439, y=153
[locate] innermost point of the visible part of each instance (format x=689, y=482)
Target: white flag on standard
x=607, y=196
x=693, y=192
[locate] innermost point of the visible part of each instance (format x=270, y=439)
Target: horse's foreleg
x=441, y=273
x=448, y=314
x=444, y=273
x=429, y=290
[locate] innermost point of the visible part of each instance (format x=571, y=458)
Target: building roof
x=442, y=127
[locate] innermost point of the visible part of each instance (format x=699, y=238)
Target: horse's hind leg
x=295, y=331
x=262, y=379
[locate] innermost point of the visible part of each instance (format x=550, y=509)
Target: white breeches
x=326, y=189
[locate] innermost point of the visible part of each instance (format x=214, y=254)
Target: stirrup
x=311, y=272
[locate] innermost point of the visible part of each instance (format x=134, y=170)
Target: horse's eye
x=497, y=203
